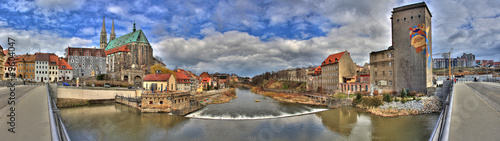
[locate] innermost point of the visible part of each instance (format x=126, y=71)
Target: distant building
x=471, y=58
x=162, y=82
x=65, y=71
x=382, y=69
x=484, y=63
x=183, y=82
x=412, y=42
x=361, y=83
x=42, y=67
x=2, y=62
x=335, y=69
x=86, y=61
x=26, y=67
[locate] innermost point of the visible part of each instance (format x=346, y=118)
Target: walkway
x=476, y=112
x=31, y=115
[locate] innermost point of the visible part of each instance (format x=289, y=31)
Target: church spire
x=104, y=36
x=134, y=27
x=112, y=36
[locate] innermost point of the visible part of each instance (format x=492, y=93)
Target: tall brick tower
x=104, y=36
x=412, y=41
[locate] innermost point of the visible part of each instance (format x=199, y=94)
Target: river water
x=243, y=119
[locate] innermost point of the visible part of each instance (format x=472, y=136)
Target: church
x=128, y=57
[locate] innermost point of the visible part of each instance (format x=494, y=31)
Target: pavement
x=476, y=112
x=31, y=114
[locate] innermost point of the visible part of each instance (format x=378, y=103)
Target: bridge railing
x=442, y=129
x=57, y=128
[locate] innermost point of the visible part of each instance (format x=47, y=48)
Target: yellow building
x=162, y=82
x=2, y=63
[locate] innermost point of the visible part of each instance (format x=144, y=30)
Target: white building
x=42, y=67
x=65, y=71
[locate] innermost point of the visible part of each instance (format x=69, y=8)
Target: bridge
x=471, y=112
x=34, y=116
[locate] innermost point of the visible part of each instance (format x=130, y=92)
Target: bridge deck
x=31, y=115
x=476, y=112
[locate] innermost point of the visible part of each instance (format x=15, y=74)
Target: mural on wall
x=418, y=38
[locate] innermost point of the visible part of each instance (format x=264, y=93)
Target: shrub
x=414, y=98
x=412, y=93
x=359, y=96
x=101, y=77
x=387, y=98
x=403, y=93
x=418, y=99
x=403, y=100
x=396, y=99
x=372, y=101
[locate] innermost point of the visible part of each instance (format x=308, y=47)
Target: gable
x=133, y=37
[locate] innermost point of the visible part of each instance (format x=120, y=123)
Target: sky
x=247, y=37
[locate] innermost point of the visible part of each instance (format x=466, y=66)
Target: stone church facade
x=128, y=57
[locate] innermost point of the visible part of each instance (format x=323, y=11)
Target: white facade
x=42, y=71
x=53, y=71
x=65, y=75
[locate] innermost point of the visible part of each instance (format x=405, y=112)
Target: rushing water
x=243, y=119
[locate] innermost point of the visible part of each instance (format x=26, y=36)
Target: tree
x=163, y=70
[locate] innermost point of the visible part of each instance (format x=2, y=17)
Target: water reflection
x=116, y=122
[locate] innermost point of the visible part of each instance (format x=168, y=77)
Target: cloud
x=44, y=41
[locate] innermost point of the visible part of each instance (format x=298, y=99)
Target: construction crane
x=447, y=55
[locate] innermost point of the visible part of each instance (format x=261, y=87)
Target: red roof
x=53, y=58
x=5, y=52
x=364, y=75
x=204, y=75
x=182, y=76
x=206, y=79
x=317, y=71
x=122, y=48
x=332, y=59
x=157, y=77
x=63, y=62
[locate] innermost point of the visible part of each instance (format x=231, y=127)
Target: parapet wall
x=94, y=94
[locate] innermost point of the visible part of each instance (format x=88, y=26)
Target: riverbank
x=286, y=97
x=393, y=109
x=225, y=97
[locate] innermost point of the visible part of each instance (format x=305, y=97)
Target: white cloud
x=44, y=41
x=88, y=31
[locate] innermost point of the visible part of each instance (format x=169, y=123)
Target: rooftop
x=157, y=77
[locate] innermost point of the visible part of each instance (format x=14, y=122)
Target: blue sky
x=247, y=37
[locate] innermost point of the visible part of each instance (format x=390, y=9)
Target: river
x=243, y=119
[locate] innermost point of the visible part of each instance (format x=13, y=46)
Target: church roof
x=137, y=36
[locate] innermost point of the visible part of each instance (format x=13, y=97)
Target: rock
x=257, y=100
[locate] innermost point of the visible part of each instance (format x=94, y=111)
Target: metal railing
x=57, y=128
x=441, y=131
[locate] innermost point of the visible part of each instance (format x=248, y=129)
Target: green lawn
x=343, y=95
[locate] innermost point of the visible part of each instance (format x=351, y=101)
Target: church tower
x=112, y=36
x=133, y=30
x=104, y=37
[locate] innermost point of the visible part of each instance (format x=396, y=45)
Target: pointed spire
x=134, y=27
x=104, y=35
x=112, y=36
x=103, y=27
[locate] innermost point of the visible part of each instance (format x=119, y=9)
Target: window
x=390, y=64
x=390, y=83
x=390, y=73
x=383, y=73
x=390, y=54
x=150, y=102
x=161, y=102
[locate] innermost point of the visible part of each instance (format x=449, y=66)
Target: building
x=360, y=83
x=183, y=82
x=484, y=63
x=26, y=67
x=128, y=57
x=160, y=82
x=412, y=42
x=471, y=58
x=335, y=69
x=9, y=73
x=445, y=62
x=53, y=68
x=86, y=61
x=42, y=67
x=65, y=71
x=2, y=63
x=382, y=70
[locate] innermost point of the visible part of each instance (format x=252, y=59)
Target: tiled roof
x=317, y=71
x=42, y=56
x=332, y=59
x=62, y=63
x=204, y=74
x=206, y=79
x=182, y=76
x=53, y=58
x=122, y=48
x=137, y=36
x=80, y=51
x=157, y=77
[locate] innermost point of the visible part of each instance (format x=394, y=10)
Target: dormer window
x=336, y=59
x=330, y=61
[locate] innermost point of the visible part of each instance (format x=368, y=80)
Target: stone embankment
x=392, y=109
